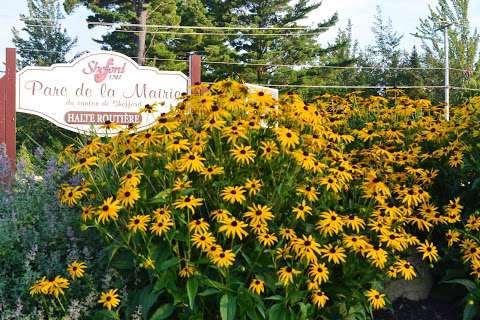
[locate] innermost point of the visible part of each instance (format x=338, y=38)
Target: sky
x=404, y=14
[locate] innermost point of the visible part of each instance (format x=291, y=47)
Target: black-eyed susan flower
x=318, y=272
x=287, y=138
x=110, y=299
x=335, y=254
x=267, y=239
x=429, y=251
x=224, y=259
x=376, y=299
x=253, y=186
x=233, y=228
x=286, y=274
x=258, y=213
x=161, y=225
x=310, y=192
x=301, y=210
x=210, y=172
x=319, y=298
x=108, y=210
x=77, y=269
x=331, y=183
x=189, y=202
x=198, y=226
x=138, y=222
x=306, y=248
x=187, y=271
x=203, y=240
x=257, y=286
x=406, y=269
x=56, y=286
x=243, y=154
x=132, y=178
x=128, y=195
x=269, y=149
x=192, y=162
x=39, y=287
x=84, y=163
x=233, y=194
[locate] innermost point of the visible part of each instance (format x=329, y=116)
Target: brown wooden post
x=7, y=106
x=195, y=71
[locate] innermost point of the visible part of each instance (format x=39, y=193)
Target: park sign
x=96, y=89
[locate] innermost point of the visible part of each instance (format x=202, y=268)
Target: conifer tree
x=46, y=42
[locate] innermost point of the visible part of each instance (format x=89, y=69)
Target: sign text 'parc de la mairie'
x=96, y=88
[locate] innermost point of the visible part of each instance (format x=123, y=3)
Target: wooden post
x=7, y=106
x=195, y=71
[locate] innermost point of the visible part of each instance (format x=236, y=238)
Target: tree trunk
x=141, y=12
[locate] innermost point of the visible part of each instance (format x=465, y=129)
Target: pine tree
x=288, y=48
x=463, y=43
x=46, y=42
x=153, y=45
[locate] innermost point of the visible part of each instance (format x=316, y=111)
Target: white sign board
x=255, y=87
x=98, y=88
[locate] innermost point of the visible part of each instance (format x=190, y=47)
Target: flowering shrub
x=239, y=206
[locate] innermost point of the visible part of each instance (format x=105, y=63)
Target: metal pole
x=447, y=73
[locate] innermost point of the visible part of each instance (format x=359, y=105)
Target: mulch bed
x=404, y=309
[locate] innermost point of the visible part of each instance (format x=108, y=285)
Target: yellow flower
x=187, y=271
x=203, y=240
x=189, y=202
x=108, y=210
x=76, y=269
x=257, y=286
x=286, y=274
x=319, y=272
x=57, y=285
x=269, y=149
x=224, y=259
x=309, y=191
x=301, y=209
x=192, y=162
x=253, y=186
x=258, y=214
x=197, y=226
x=84, y=163
x=40, y=287
x=287, y=138
x=429, y=251
x=138, y=222
x=209, y=172
x=319, y=298
x=334, y=254
x=267, y=239
x=128, y=195
x=161, y=225
x=233, y=227
x=110, y=299
x=406, y=269
x=243, y=154
x=233, y=194
x=376, y=299
x=132, y=178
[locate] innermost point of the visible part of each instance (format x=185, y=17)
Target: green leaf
x=228, y=305
x=163, y=312
x=104, y=315
x=161, y=196
x=192, y=287
x=468, y=284
x=167, y=264
x=277, y=312
x=123, y=260
x=275, y=298
x=208, y=292
x=470, y=311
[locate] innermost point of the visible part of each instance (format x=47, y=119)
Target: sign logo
x=97, y=88
x=102, y=72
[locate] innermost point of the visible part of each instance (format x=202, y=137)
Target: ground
x=422, y=310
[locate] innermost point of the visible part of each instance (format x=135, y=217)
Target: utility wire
x=198, y=27
x=240, y=34
x=272, y=65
